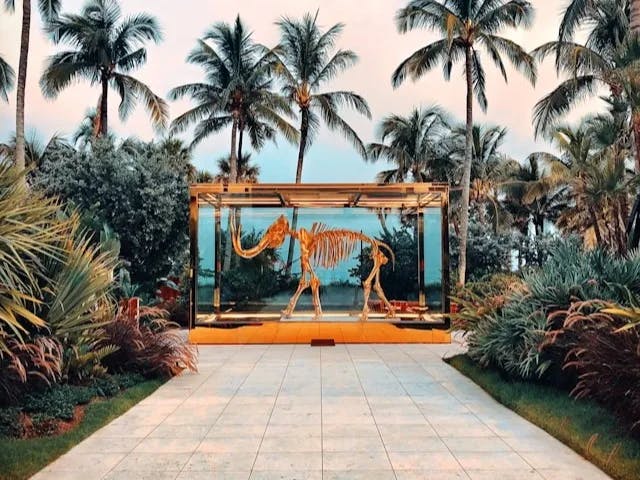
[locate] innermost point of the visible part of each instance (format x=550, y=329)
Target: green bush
x=507, y=328
x=140, y=190
x=10, y=425
x=58, y=401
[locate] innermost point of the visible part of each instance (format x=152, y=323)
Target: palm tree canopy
x=603, y=61
x=237, y=79
x=306, y=60
x=49, y=9
x=463, y=25
x=35, y=148
x=7, y=79
x=247, y=172
x=413, y=144
x=104, y=46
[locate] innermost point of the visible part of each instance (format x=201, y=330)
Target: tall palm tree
x=491, y=170
x=306, y=61
x=413, y=145
x=49, y=10
x=104, y=49
x=237, y=91
x=7, y=79
x=465, y=26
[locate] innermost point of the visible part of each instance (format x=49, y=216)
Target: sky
x=369, y=31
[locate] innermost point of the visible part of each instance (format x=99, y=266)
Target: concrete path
x=357, y=412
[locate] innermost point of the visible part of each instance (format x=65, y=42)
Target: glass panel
x=261, y=285
x=433, y=258
x=206, y=259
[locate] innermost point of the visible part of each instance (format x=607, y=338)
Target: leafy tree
x=306, y=61
x=136, y=189
x=49, y=10
x=7, y=79
x=488, y=252
x=414, y=145
x=104, y=49
x=465, y=26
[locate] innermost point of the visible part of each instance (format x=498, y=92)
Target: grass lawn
x=20, y=459
x=582, y=425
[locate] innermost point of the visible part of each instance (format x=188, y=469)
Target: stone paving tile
x=373, y=412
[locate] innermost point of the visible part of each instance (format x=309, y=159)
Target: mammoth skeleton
x=320, y=247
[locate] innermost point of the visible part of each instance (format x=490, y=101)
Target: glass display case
x=324, y=252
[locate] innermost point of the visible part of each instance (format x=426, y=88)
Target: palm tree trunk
x=596, y=226
x=22, y=81
x=233, y=178
x=304, y=130
x=635, y=17
x=466, y=175
x=635, y=120
x=104, y=107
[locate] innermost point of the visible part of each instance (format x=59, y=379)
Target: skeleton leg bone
x=315, y=290
x=302, y=286
x=380, y=292
x=366, y=287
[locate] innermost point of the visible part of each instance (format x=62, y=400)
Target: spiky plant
x=29, y=232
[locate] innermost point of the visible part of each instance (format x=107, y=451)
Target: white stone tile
x=153, y=462
x=424, y=461
x=288, y=462
x=492, y=461
x=346, y=461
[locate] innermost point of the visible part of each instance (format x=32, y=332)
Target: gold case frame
x=400, y=196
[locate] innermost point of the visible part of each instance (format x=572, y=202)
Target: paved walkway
x=357, y=412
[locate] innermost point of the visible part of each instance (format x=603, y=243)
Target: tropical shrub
x=29, y=232
x=27, y=365
x=140, y=190
x=602, y=345
x=150, y=344
x=506, y=330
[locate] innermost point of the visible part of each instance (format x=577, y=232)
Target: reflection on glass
x=261, y=284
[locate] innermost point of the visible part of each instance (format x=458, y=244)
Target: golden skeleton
x=320, y=247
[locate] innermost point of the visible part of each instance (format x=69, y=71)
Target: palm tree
x=87, y=131
x=465, y=26
x=306, y=61
x=598, y=183
x=413, y=145
x=104, y=49
x=49, y=10
x=526, y=209
x=35, y=149
x=237, y=92
x=7, y=79
x=491, y=170
x=247, y=172
x=635, y=16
